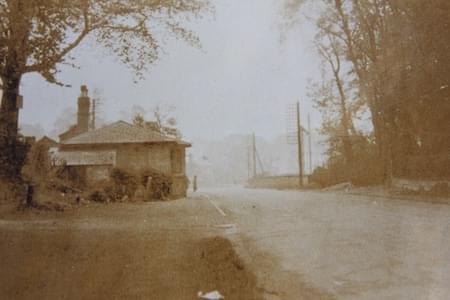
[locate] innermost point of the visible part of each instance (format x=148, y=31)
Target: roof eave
x=125, y=143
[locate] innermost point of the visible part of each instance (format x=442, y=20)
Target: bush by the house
x=160, y=184
x=99, y=196
x=122, y=184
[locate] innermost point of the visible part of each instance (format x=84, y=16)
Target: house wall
x=132, y=158
x=159, y=158
x=166, y=158
x=178, y=160
x=179, y=186
x=136, y=158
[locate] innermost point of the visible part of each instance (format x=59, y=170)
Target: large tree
x=398, y=57
x=331, y=52
x=39, y=36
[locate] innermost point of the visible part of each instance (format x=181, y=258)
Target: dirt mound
x=68, y=263
x=221, y=269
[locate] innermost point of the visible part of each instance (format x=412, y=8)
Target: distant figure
x=194, y=183
x=78, y=199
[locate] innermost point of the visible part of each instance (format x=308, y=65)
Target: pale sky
x=239, y=82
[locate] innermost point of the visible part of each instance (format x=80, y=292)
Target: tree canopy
x=390, y=58
x=39, y=35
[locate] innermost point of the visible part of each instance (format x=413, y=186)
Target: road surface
x=351, y=247
x=284, y=245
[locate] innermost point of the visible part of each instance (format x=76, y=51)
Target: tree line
x=387, y=61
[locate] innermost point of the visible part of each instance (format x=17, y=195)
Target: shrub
x=160, y=183
x=38, y=165
x=12, y=191
x=365, y=168
x=320, y=176
x=98, y=196
x=12, y=158
x=123, y=184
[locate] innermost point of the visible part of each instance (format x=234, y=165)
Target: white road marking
x=229, y=228
x=215, y=205
x=226, y=226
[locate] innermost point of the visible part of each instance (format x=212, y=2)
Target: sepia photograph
x=225, y=149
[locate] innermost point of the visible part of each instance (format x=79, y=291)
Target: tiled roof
x=48, y=141
x=120, y=133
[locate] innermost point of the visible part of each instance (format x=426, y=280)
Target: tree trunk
x=12, y=151
x=345, y=120
x=9, y=112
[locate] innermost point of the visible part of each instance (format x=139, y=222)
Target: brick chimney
x=84, y=104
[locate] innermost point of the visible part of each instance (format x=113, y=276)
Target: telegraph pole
x=94, y=100
x=254, y=155
x=300, y=146
x=309, y=144
x=248, y=161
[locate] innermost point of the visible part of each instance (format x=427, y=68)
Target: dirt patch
x=223, y=270
x=275, y=282
x=113, y=264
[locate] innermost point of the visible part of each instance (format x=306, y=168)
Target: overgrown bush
x=37, y=167
x=12, y=158
x=423, y=167
x=364, y=170
x=122, y=184
x=98, y=196
x=12, y=191
x=160, y=183
x=320, y=176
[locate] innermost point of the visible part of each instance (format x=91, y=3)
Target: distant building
x=121, y=145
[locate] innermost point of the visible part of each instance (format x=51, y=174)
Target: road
x=284, y=245
x=349, y=246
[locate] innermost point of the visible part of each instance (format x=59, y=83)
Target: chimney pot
x=84, y=91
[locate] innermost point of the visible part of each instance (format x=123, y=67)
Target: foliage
x=122, y=184
x=396, y=57
x=38, y=163
x=39, y=36
x=65, y=178
x=419, y=167
x=320, y=176
x=45, y=32
x=12, y=158
x=160, y=183
x=98, y=195
x=366, y=169
x=11, y=191
x=138, y=120
x=163, y=122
